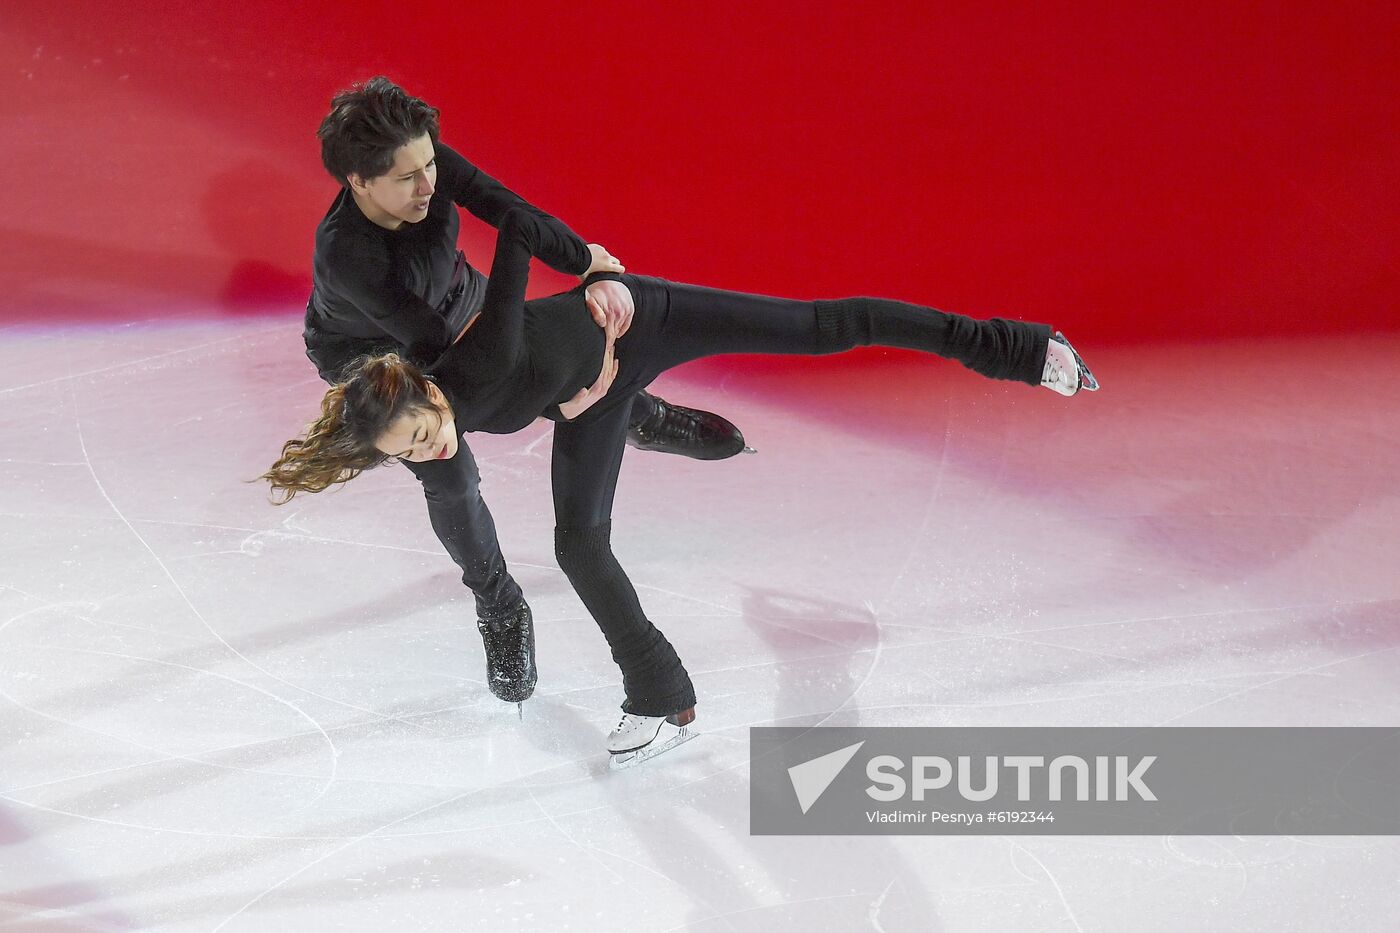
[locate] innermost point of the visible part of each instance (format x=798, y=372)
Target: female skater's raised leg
x=677, y=322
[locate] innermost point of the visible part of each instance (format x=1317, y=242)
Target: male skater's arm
x=365, y=279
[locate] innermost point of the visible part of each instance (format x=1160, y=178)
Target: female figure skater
x=522, y=359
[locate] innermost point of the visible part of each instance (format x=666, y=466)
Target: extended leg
x=694, y=321
x=996, y=348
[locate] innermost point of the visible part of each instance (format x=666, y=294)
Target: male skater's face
x=422, y=435
x=400, y=195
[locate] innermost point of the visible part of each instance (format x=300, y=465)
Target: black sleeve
x=498, y=337
x=490, y=201
x=602, y=277
x=365, y=279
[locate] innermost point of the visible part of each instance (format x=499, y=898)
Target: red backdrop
x=1126, y=171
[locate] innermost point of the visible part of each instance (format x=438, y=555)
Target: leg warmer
x=655, y=681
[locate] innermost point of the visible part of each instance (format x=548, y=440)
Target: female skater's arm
x=497, y=338
x=561, y=249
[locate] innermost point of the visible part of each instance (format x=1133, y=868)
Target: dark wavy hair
x=339, y=445
x=368, y=122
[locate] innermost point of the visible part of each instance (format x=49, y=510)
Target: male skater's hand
x=586, y=397
x=611, y=304
x=603, y=261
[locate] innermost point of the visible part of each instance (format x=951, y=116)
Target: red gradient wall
x=1126, y=171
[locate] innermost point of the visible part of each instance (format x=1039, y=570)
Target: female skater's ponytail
x=339, y=445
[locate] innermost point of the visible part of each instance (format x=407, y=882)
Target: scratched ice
x=217, y=715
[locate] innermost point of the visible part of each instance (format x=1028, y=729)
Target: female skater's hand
x=603, y=261
x=611, y=305
x=586, y=397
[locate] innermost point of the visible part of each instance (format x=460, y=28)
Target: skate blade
x=1087, y=382
x=620, y=761
x=748, y=450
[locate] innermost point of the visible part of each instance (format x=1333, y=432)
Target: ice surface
x=217, y=715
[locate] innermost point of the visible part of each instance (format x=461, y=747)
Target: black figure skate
x=1065, y=371
x=700, y=435
x=638, y=738
x=509, y=640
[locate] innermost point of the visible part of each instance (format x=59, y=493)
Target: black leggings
x=463, y=523
x=452, y=488
x=675, y=323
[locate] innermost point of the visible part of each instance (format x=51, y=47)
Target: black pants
x=675, y=323
x=458, y=514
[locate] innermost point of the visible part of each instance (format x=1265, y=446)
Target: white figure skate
x=638, y=738
x=1065, y=371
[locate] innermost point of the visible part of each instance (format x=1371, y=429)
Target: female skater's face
x=422, y=435
x=401, y=195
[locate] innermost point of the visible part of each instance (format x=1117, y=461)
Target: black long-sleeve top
x=411, y=288
x=518, y=362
